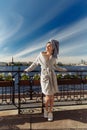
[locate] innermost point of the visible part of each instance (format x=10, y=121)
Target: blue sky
x=27, y=25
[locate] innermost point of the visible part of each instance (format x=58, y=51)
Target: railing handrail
x=39, y=71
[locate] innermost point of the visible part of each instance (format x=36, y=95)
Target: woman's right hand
x=25, y=71
x=64, y=69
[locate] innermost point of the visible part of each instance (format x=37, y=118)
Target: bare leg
x=50, y=114
x=51, y=103
x=47, y=101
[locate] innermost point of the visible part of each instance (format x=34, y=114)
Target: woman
x=47, y=61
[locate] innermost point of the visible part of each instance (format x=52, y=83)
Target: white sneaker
x=45, y=114
x=50, y=116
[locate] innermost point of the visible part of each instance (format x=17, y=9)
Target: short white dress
x=48, y=78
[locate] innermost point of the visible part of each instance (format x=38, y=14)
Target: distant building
x=3, y=64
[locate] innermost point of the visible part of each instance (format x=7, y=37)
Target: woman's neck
x=48, y=53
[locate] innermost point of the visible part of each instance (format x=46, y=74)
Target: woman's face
x=49, y=47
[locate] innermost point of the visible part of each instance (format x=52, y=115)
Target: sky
x=27, y=25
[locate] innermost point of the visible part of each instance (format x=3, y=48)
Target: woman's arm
x=33, y=65
x=56, y=67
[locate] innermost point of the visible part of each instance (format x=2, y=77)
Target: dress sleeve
x=56, y=67
x=33, y=65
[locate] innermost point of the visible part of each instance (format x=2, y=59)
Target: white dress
x=49, y=84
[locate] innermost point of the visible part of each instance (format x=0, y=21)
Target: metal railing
x=27, y=95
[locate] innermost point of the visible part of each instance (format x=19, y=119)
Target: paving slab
x=65, y=118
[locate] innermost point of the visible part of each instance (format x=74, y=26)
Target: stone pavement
x=67, y=118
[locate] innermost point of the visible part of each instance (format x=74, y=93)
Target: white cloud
x=53, y=11
x=37, y=44
x=30, y=49
x=9, y=26
x=72, y=30
x=70, y=33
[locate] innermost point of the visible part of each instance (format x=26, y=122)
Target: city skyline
x=27, y=25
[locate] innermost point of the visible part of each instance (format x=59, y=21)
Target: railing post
x=31, y=88
x=19, y=90
x=42, y=103
x=13, y=96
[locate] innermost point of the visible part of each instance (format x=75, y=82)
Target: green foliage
x=75, y=76
x=8, y=77
x=36, y=77
x=86, y=77
x=24, y=76
x=59, y=76
x=67, y=76
x=3, y=76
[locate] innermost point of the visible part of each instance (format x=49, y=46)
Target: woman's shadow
x=14, y=122
x=77, y=115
